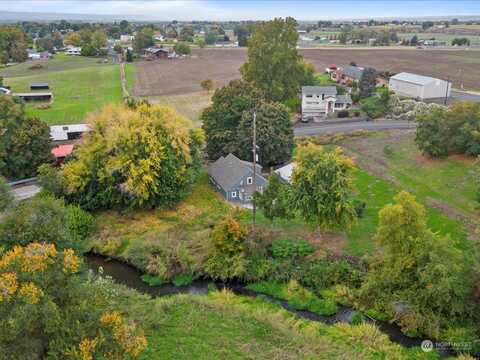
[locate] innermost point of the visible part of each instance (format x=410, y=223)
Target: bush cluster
x=450, y=130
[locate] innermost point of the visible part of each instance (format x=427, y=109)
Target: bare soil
x=181, y=76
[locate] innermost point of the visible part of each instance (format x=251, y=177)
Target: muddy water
x=131, y=277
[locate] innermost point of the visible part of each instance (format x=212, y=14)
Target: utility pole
x=254, y=168
x=446, y=92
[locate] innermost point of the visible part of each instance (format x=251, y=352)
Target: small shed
x=61, y=152
x=419, y=86
x=37, y=96
x=39, y=86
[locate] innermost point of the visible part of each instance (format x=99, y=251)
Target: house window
x=338, y=105
x=234, y=194
x=323, y=96
x=249, y=180
x=309, y=96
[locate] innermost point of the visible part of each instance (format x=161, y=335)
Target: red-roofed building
x=61, y=152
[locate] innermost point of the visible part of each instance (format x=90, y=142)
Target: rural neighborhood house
x=233, y=178
x=319, y=101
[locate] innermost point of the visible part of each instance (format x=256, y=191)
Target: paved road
x=316, y=129
x=463, y=96
x=25, y=192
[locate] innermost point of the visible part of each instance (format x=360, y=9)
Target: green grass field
x=225, y=326
x=79, y=85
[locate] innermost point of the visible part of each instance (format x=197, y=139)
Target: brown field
x=174, y=77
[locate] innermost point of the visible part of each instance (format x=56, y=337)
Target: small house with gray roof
x=233, y=178
x=319, y=101
x=347, y=75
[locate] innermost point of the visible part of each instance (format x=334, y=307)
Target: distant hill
x=12, y=17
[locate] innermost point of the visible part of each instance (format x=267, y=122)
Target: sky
x=248, y=10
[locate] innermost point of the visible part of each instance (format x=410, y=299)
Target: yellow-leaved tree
x=143, y=157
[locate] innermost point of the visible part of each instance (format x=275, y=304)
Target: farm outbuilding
x=39, y=86
x=68, y=132
x=38, y=96
x=419, y=86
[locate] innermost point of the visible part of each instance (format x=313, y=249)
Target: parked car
x=5, y=91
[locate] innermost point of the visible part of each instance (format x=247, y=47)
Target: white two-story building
x=319, y=101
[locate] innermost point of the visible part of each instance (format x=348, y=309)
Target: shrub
x=343, y=114
x=258, y=268
x=153, y=280
x=80, y=223
x=6, y=197
x=184, y=279
x=322, y=274
x=41, y=219
x=359, y=206
x=286, y=248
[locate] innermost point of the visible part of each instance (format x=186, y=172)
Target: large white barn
x=419, y=86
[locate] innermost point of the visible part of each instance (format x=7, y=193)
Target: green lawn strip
x=131, y=76
x=225, y=326
x=297, y=296
x=75, y=92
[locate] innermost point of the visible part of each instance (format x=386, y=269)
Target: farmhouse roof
x=326, y=90
x=62, y=150
x=354, y=72
x=226, y=171
x=414, y=78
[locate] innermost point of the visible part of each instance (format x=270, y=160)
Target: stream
x=130, y=276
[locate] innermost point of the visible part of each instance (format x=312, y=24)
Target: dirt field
x=181, y=76
x=459, y=65
x=173, y=77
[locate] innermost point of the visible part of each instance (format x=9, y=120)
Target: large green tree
x=143, y=157
x=24, y=142
x=420, y=270
x=322, y=187
x=274, y=134
x=274, y=64
x=221, y=119
x=143, y=39
x=367, y=82
x=13, y=44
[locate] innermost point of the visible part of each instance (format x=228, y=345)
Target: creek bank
x=130, y=276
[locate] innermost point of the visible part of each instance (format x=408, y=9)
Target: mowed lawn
x=79, y=86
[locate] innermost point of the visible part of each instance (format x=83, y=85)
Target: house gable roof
x=227, y=171
x=354, y=72
x=414, y=78
x=319, y=90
